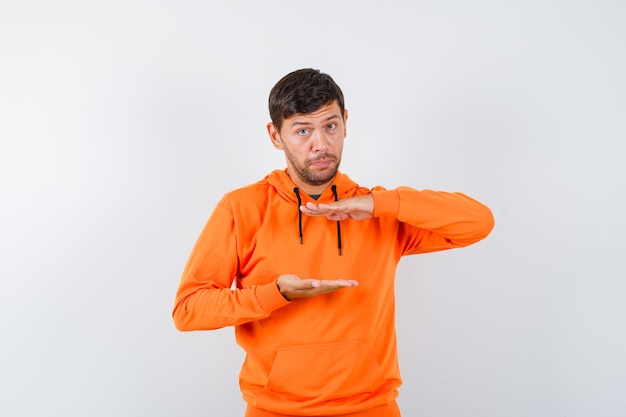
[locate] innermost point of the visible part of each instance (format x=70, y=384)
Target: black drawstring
x=334, y=188
x=295, y=190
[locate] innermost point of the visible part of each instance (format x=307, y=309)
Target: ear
x=345, y=122
x=274, y=136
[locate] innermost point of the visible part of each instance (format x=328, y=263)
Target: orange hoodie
x=331, y=354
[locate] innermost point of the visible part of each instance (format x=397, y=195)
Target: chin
x=322, y=179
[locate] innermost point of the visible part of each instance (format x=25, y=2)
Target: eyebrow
x=328, y=119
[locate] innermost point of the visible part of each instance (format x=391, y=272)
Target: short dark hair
x=303, y=91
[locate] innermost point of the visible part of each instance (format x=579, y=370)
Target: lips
x=322, y=163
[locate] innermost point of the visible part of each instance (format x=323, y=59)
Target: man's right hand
x=292, y=286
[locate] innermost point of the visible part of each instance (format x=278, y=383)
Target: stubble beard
x=307, y=175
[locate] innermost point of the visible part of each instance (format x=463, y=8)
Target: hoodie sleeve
x=205, y=300
x=433, y=220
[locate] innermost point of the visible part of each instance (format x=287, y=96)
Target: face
x=312, y=143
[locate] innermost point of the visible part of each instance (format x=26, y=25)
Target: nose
x=320, y=141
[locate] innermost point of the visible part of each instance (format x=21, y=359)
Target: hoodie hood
x=283, y=184
x=341, y=187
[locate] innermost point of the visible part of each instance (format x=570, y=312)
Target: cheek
x=338, y=144
x=294, y=153
x=300, y=148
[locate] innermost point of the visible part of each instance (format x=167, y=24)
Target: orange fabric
x=387, y=410
x=332, y=354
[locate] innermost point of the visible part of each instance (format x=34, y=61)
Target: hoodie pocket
x=325, y=372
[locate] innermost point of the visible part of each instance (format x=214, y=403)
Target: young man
x=313, y=256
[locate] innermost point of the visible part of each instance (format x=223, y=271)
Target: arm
x=430, y=220
x=453, y=219
x=204, y=299
x=444, y=220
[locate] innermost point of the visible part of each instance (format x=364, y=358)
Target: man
x=313, y=256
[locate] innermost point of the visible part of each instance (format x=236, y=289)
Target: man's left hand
x=357, y=208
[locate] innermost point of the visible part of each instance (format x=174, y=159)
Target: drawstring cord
x=334, y=189
x=297, y=191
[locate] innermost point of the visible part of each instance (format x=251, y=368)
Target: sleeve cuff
x=269, y=297
x=386, y=203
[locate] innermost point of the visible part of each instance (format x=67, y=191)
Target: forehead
x=323, y=114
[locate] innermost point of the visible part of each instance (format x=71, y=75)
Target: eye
x=303, y=132
x=332, y=126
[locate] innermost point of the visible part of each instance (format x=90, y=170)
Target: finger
x=335, y=208
x=339, y=283
x=312, y=206
x=312, y=210
x=309, y=212
x=328, y=207
x=338, y=216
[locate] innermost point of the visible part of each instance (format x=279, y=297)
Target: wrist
x=281, y=293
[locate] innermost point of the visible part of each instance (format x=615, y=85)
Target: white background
x=123, y=122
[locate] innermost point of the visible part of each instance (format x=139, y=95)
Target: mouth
x=322, y=161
